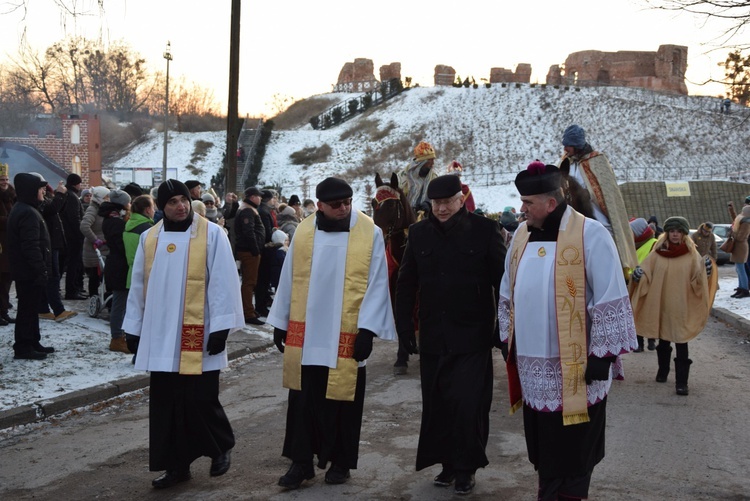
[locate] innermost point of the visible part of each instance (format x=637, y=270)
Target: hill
x=495, y=132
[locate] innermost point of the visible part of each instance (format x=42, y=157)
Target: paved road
x=659, y=445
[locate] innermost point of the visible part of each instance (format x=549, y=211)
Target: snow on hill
x=495, y=132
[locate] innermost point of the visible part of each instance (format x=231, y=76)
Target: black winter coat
x=71, y=216
x=29, y=248
x=265, y=216
x=455, y=269
x=51, y=208
x=249, y=230
x=116, y=265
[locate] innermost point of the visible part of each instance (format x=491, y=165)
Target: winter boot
x=681, y=373
x=742, y=293
x=651, y=344
x=640, y=344
x=119, y=344
x=664, y=356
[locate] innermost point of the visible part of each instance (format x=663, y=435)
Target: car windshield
x=722, y=231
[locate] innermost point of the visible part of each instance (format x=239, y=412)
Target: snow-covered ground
x=82, y=358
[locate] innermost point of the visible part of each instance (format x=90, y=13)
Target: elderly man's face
x=336, y=209
x=537, y=208
x=444, y=208
x=177, y=208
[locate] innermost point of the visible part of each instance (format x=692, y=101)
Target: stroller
x=101, y=300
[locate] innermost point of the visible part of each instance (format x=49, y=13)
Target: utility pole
x=168, y=57
x=232, y=111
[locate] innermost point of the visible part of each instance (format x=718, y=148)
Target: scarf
x=668, y=249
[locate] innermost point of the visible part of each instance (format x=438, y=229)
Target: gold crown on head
x=424, y=151
x=4, y=170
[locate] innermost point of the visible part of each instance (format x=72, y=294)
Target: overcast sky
x=296, y=48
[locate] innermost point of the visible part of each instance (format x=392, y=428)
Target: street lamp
x=168, y=57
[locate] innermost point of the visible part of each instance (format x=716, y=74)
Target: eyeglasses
x=207, y=203
x=338, y=203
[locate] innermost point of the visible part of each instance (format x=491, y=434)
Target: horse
x=393, y=214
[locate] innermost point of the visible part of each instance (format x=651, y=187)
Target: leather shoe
x=337, y=474
x=220, y=465
x=30, y=355
x=8, y=318
x=3, y=322
x=44, y=349
x=171, y=478
x=464, y=482
x=445, y=477
x=254, y=321
x=298, y=473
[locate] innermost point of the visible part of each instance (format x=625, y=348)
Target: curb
x=734, y=320
x=42, y=410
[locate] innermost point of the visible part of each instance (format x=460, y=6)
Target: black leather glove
x=132, y=342
x=279, y=338
x=709, y=266
x=217, y=342
x=408, y=341
x=597, y=369
x=363, y=345
x=637, y=274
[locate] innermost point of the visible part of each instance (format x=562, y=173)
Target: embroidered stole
x=342, y=381
x=570, y=306
x=191, y=337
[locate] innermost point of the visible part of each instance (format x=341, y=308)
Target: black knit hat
x=333, y=188
x=677, y=223
x=538, y=179
x=168, y=189
x=133, y=189
x=192, y=184
x=294, y=200
x=443, y=187
x=253, y=191
x=73, y=180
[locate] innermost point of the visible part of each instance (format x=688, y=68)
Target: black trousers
x=73, y=267
x=186, y=420
x=27, y=336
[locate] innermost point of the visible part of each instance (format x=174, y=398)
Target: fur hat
x=538, y=178
x=443, y=187
x=424, y=151
x=677, y=223
x=333, y=188
x=119, y=197
x=574, y=136
x=98, y=193
x=171, y=188
x=73, y=180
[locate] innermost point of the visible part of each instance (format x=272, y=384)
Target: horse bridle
x=383, y=194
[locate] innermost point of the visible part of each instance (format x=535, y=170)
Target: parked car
x=721, y=256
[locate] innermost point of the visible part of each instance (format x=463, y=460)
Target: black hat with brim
x=333, y=188
x=538, y=179
x=443, y=187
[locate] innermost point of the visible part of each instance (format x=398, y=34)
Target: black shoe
x=220, y=465
x=261, y=313
x=681, y=389
x=445, y=477
x=30, y=355
x=638, y=350
x=3, y=322
x=44, y=349
x=464, y=482
x=297, y=473
x=170, y=479
x=9, y=319
x=651, y=345
x=254, y=321
x=77, y=296
x=337, y=474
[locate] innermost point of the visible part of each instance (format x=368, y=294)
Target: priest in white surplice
x=566, y=318
x=184, y=301
x=332, y=299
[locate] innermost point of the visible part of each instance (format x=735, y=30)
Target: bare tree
x=734, y=12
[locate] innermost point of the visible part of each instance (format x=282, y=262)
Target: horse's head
x=391, y=209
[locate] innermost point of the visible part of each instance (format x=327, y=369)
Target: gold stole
x=570, y=306
x=191, y=340
x=342, y=381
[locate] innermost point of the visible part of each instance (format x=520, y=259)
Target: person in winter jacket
x=739, y=256
x=7, y=199
x=249, y=239
x=670, y=296
x=288, y=221
x=279, y=244
x=91, y=227
x=71, y=217
x=50, y=208
x=456, y=169
x=114, y=213
x=267, y=212
x=705, y=241
x=643, y=235
x=29, y=257
x=142, y=211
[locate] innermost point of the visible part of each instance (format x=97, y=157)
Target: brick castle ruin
x=663, y=70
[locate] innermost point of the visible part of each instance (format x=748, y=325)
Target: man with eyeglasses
x=453, y=265
x=332, y=300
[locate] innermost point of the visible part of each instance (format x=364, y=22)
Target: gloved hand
x=637, y=274
x=98, y=244
x=132, y=342
x=597, y=369
x=709, y=266
x=363, y=345
x=217, y=342
x=279, y=338
x=408, y=341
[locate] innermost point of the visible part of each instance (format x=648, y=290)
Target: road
x=659, y=445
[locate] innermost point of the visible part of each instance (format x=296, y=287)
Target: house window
x=76, y=165
x=75, y=134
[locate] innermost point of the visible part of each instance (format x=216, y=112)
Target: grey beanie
x=119, y=197
x=574, y=136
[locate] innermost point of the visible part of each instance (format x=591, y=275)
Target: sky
x=292, y=49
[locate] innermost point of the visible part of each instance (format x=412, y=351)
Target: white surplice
x=324, y=300
x=157, y=318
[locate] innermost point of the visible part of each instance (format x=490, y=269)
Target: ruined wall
x=444, y=75
x=502, y=75
x=390, y=71
x=357, y=76
x=662, y=70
